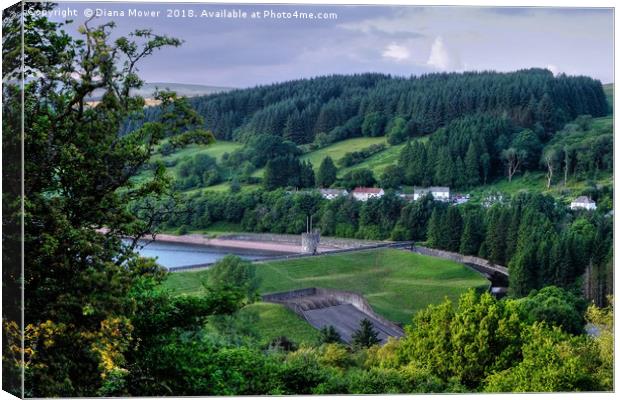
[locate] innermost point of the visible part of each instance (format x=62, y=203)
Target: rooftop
x=432, y=189
x=583, y=199
x=360, y=189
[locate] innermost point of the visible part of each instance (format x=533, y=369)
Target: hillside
x=182, y=89
x=396, y=283
x=455, y=135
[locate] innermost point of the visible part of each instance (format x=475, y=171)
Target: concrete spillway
x=342, y=310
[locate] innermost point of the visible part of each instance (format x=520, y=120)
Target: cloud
x=441, y=59
x=396, y=52
x=554, y=69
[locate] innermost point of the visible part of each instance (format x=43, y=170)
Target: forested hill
x=342, y=106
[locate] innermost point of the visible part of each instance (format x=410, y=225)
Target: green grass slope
x=275, y=320
x=337, y=150
x=396, y=283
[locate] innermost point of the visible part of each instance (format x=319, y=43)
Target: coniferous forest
x=100, y=320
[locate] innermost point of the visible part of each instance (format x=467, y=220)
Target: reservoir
x=173, y=255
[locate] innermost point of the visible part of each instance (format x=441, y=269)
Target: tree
x=373, y=124
x=234, y=272
x=326, y=175
x=551, y=160
x=435, y=236
x=235, y=186
x=473, y=233
x=79, y=310
x=553, y=361
x=513, y=158
x=365, y=336
x=391, y=178
x=358, y=177
x=465, y=343
x=453, y=229
x=329, y=334
x=282, y=172
x=472, y=169
x=306, y=175
x=556, y=307
x=397, y=132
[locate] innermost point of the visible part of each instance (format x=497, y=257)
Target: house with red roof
x=366, y=193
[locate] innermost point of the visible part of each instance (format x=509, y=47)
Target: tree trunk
x=549, y=173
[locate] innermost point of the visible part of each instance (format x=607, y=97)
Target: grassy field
x=215, y=150
x=377, y=162
x=276, y=320
x=337, y=150
x=396, y=283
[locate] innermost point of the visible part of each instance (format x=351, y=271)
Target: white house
x=583, y=202
x=406, y=197
x=441, y=193
x=365, y=193
x=331, y=194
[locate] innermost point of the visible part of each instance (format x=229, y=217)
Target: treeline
x=332, y=108
x=541, y=243
x=468, y=152
x=474, y=150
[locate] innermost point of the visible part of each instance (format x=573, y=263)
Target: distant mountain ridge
x=182, y=89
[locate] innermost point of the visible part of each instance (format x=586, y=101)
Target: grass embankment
x=338, y=150
x=396, y=283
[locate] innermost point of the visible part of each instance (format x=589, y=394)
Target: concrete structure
x=440, y=193
x=341, y=309
x=583, y=202
x=331, y=194
x=310, y=242
x=365, y=193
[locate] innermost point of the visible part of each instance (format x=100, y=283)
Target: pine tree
x=473, y=233
x=444, y=170
x=326, y=175
x=306, y=175
x=434, y=236
x=365, y=336
x=453, y=228
x=329, y=334
x=472, y=170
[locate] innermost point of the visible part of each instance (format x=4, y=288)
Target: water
x=173, y=255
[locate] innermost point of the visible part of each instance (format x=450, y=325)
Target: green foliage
x=357, y=157
x=556, y=307
x=81, y=317
x=477, y=338
x=326, y=175
x=328, y=334
x=199, y=171
x=358, y=177
x=553, y=361
x=365, y=336
x=234, y=272
x=373, y=124
x=370, y=104
x=391, y=177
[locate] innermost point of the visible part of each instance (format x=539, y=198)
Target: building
x=406, y=197
x=460, y=199
x=331, y=194
x=441, y=193
x=583, y=202
x=365, y=193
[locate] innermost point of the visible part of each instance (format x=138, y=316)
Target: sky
x=399, y=40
